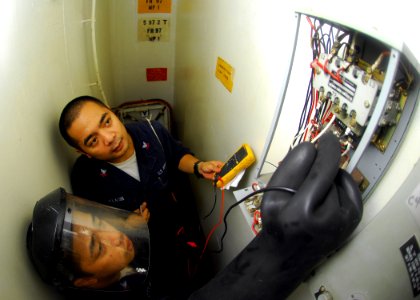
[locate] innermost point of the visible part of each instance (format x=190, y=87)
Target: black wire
x=215, y=200
x=320, y=112
x=268, y=189
x=303, y=117
x=304, y=113
x=320, y=34
x=346, y=45
x=271, y=164
x=330, y=40
x=322, y=109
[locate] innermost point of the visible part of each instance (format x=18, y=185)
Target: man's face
x=100, y=134
x=102, y=250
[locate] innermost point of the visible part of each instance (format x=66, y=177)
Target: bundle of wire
x=316, y=117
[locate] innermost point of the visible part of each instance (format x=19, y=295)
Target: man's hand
x=139, y=217
x=205, y=168
x=209, y=168
x=327, y=205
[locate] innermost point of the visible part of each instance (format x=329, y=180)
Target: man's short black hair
x=70, y=113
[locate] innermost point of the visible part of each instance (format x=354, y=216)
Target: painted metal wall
x=42, y=66
x=131, y=55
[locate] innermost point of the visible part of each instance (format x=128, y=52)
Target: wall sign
x=224, y=72
x=411, y=254
x=153, y=29
x=156, y=74
x=153, y=6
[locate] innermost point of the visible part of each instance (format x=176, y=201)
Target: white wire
x=297, y=136
x=326, y=128
x=347, y=149
x=95, y=53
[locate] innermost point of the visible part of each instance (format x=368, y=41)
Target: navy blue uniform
x=161, y=185
x=158, y=167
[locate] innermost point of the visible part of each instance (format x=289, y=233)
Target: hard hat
x=44, y=234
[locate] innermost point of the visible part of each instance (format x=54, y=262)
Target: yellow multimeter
x=242, y=159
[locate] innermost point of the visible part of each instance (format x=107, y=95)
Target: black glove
x=327, y=204
x=300, y=230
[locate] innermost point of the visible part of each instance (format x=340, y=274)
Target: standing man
x=132, y=167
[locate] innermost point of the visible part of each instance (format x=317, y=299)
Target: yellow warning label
x=224, y=72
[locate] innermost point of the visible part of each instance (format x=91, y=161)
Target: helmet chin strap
x=95, y=282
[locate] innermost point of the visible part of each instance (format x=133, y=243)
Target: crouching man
x=80, y=245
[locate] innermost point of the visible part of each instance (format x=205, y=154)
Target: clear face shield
x=103, y=246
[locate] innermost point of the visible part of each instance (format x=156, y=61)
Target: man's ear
x=85, y=282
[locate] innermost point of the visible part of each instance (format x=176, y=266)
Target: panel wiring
x=316, y=116
x=347, y=74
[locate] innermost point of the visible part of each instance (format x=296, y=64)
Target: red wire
x=327, y=113
x=253, y=229
x=255, y=221
x=222, y=209
x=310, y=23
x=255, y=186
x=314, y=104
x=325, y=69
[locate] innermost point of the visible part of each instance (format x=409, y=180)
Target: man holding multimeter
x=132, y=167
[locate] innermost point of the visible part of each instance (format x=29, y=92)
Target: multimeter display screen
x=233, y=161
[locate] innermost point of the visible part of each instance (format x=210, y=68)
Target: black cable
x=303, y=116
x=215, y=200
x=346, y=45
x=322, y=109
x=330, y=40
x=271, y=164
x=320, y=35
x=304, y=113
x=268, y=189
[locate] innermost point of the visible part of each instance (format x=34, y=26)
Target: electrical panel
x=362, y=89
x=352, y=93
